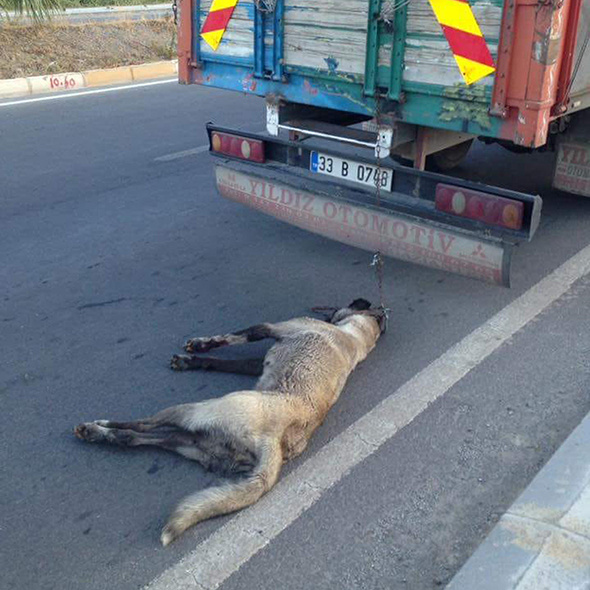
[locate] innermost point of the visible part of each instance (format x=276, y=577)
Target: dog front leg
x=251, y=334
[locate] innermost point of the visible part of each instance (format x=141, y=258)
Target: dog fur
x=250, y=434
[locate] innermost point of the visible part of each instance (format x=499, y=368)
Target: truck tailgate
x=410, y=55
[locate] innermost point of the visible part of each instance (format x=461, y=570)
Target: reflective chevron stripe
x=216, y=22
x=465, y=38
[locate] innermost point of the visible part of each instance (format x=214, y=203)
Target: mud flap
x=572, y=168
x=394, y=234
x=572, y=164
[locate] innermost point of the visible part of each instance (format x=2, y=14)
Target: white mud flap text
x=572, y=168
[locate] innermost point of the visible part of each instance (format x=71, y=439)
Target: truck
x=370, y=104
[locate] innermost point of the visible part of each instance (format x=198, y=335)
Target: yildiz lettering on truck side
x=367, y=228
x=572, y=168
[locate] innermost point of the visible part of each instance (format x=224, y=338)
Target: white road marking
x=225, y=551
x=182, y=154
x=200, y=149
x=87, y=92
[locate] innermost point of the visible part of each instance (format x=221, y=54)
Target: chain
x=174, y=28
x=265, y=5
x=378, y=150
x=377, y=261
x=175, y=12
x=388, y=10
x=555, y=4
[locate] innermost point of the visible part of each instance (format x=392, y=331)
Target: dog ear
x=360, y=305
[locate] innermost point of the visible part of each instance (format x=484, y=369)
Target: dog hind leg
x=169, y=417
x=190, y=445
x=192, y=417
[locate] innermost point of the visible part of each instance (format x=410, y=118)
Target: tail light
x=480, y=206
x=238, y=147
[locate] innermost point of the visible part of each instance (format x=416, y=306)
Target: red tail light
x=238, y=147
x=490, y=209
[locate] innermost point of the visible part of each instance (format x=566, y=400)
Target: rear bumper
x=405, y=225
x=368, y=227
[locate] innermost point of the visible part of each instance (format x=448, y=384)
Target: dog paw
x=199, y=345
x=90, y=431
x=177, y=363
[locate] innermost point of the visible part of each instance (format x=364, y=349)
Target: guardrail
x=96, y=14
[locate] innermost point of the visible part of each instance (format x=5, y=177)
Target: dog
x=249, y=434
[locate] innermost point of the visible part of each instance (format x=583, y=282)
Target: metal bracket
x=380, y=139
x=272, y=118
x=384, y=141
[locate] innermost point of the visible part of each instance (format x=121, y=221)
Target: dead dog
x=249, y=434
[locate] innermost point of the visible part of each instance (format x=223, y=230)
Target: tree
x=36, y=9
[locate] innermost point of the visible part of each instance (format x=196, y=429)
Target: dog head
x=360, y=306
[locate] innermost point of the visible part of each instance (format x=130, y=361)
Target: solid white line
x=87, y=92
x=182, y=154
x=200, y=149
x=222, y=554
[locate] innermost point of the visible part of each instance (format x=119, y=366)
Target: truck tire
x=449, y=158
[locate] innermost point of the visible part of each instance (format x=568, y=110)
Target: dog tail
x=227, y=497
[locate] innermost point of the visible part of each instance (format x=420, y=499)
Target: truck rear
x=354, y=87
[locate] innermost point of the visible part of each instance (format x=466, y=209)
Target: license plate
x=365, y=174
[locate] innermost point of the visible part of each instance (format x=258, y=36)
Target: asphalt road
x=112, y=256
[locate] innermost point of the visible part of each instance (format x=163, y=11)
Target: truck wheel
x=449, y=158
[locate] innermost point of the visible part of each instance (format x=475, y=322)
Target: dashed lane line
x=182, y=154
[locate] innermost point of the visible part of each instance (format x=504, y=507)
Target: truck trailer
x=370, y=102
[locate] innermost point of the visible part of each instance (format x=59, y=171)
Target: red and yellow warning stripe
x=464, y=36
x=216, y=22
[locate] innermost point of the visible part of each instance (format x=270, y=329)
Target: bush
x=37, y=9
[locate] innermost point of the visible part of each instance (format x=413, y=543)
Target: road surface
x=116, y=248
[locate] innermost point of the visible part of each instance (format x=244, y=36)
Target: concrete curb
x=543, y=540
x=30, y=85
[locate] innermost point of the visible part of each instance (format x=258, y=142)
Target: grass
x=53, y=48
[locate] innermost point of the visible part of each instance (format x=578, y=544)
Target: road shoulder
x=34, y=85
x=543, y=540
